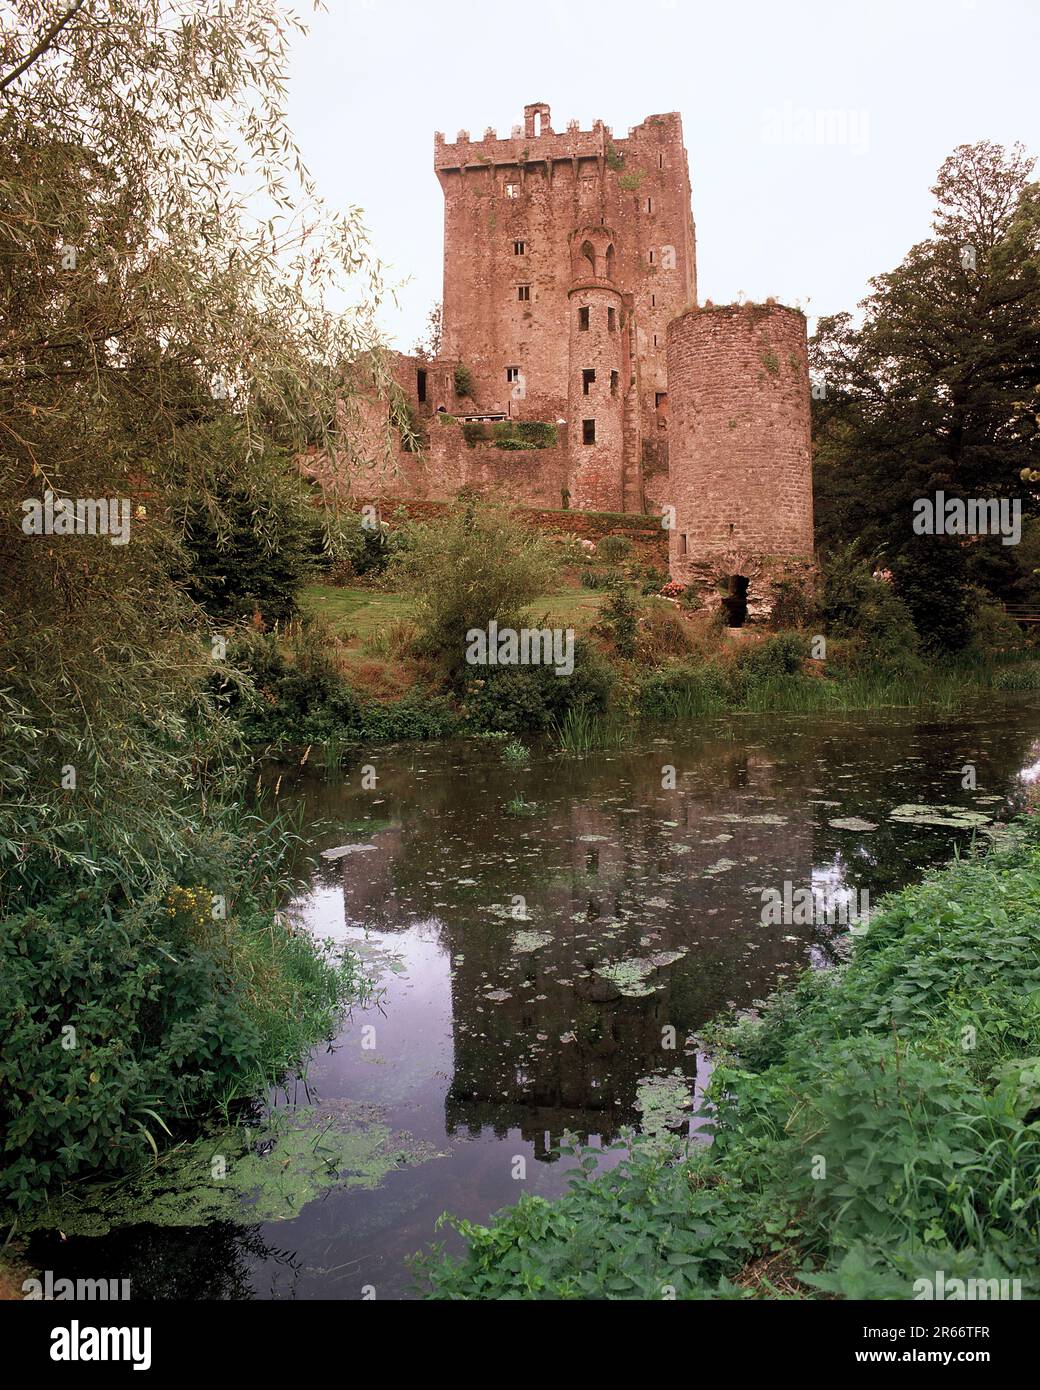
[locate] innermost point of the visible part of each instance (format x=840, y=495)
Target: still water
x=546, y=941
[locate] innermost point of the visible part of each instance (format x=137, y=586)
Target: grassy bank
x=354, y=670
x=877, y=1125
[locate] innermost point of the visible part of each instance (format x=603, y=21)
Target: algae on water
x=958, y=817
x=664, y=1104
x=630, y=976
x=243, y=1174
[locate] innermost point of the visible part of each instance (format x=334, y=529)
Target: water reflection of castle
x=560, y=1048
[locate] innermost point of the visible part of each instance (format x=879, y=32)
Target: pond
x=547, y=938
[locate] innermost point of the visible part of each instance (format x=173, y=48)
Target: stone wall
x=740, y=473
x=511, y=208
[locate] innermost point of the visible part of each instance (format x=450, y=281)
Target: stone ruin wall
x=740, y=452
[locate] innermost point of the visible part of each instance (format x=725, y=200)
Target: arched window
x=588, y=254
x=610, y=261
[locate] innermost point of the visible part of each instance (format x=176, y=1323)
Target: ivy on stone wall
x=511, y=434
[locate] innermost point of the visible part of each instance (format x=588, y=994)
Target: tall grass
x=582, y=731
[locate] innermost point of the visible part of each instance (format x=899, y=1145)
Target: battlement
x=535, y=141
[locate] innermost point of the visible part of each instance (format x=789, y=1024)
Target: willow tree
x=165, y=260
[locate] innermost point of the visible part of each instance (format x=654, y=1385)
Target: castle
x=575, y=372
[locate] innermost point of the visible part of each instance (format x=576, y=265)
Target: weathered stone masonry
x=569, y=276
x=741, y=476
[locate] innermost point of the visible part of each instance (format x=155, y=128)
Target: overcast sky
x=775, y=214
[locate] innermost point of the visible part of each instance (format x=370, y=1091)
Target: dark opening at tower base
x=734, y=602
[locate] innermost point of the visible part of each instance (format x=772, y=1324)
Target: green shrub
x=620, y=620
x=541, y=433
x=296, y=694
x=463, y=381
x=594, y=579
x=994, y=633
x=684, y=692
x=516, y=699
x=475, y=432
x=1025, y=676
x=472, y=565
x=368, y=549
x=794, y=606
x=866, y=611
x=652, y=580
x=782, y=655
x=252, y=540
x=931, y=579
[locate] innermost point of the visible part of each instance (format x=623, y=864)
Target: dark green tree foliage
x=868, y=612
x=936, y=389
x=253, y=538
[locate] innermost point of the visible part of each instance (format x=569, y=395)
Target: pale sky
x=806, y=222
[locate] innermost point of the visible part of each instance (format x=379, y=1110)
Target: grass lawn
x=366, y=611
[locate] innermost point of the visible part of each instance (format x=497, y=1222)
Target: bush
x=472, y=565
x=653, y=580
x=684, y=692
x=993, y=632
x=931, y=579
x=1025, y=676
x=794, y=606
x=252, y=540
x=782, y=655
x=295, y=693
x=662, y=633
x=865, y=610
x=517, y=699
x=620, y=620
x=594, y=579
x=475, y=432
x=368, y=549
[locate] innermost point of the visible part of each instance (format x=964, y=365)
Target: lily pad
x=663, y=1103
x=852, y=823
x=957, y=817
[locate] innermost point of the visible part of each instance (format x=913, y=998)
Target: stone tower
x=740, y=470
x=599, y=373
x=517, y=214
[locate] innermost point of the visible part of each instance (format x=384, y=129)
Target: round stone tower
x=596, y=380
x=739, y=458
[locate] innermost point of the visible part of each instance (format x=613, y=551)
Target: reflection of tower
x=598, y=373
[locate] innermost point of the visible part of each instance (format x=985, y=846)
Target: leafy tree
x=936, y=388
x=428, y=346
x=253, y=536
